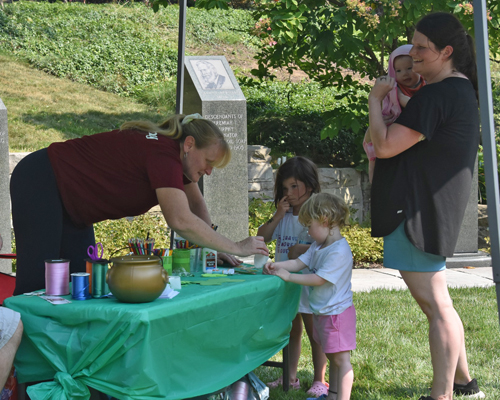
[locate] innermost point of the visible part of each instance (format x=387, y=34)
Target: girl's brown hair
x=300, y=168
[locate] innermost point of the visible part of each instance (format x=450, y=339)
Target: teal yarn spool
x=99, y=285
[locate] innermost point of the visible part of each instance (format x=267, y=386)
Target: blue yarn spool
x=80, y=286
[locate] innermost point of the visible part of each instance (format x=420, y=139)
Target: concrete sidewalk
x=364, y=280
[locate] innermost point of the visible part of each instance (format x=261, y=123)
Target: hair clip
x=188, y=118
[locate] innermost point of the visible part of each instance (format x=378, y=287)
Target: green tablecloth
x=204, y=339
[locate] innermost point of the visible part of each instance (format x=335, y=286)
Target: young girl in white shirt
x=329, y=263
x=296, y=180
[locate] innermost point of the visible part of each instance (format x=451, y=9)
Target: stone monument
x=466, y=252
x=211, y=89
x=5, y=265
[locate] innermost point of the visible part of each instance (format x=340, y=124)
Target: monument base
x=461, y=260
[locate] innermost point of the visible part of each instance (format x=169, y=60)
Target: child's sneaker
x=471, y=390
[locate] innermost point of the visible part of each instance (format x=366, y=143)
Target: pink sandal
x=318, y=388
x=294, y=385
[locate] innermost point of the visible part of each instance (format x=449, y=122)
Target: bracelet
x=331, y=391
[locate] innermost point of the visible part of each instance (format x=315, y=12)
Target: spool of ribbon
x=239, y=390
x=57, y=277
x=80, y=283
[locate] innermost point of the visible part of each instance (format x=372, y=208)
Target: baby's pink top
x=390, y=105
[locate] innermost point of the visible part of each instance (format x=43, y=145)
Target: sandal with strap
x=318, y=388
x=294, y=385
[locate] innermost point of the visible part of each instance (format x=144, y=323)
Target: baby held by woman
x=407, y=84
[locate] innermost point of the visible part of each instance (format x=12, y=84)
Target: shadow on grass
x=74, y=125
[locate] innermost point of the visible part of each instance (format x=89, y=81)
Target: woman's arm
x=176, y=210
x=387, y=141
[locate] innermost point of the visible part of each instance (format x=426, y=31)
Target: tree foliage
x=345, y=42
x=342, y=42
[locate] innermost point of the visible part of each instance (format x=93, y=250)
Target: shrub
x=288, y=118
x=259, y=212
x=365, y=249
x=99, y=45
x=114, y=234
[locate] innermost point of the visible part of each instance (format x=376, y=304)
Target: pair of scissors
x=93, y=251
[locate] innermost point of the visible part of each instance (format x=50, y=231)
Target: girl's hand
x=383, y=85
x=283, y=207
x=283, y=274
x=268, y=269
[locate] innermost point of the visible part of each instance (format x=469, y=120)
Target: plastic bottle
x=304, y=237
x=209, y=259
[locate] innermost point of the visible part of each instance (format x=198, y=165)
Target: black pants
x=42, y=227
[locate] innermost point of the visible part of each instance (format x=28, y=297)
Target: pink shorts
x=336, y=333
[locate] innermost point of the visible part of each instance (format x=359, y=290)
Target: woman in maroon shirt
x=59, y=192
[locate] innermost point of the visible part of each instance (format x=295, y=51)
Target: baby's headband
x=188, y=118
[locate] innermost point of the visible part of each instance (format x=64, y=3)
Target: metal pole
x=180, y=56
x=488, y=135
x=180, y=73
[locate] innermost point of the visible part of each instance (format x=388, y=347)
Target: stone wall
x=351, y=185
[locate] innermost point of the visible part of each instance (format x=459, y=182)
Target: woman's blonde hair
x=324, y=207
x=204, y=132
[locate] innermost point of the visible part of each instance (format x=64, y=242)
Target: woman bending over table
x=57, y=193
x=421, y=187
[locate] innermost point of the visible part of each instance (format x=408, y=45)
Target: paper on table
x=55, y=300
x=168, y=293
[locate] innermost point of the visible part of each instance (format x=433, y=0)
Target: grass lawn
x=42, y=109
x=392, y=360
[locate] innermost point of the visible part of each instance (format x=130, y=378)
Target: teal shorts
x=401, y=254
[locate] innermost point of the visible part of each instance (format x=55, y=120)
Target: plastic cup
x=175, y=282
x=181, y=260
x=260, y=260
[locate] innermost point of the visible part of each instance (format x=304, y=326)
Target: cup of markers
x=166, y=258
x=141, y=247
